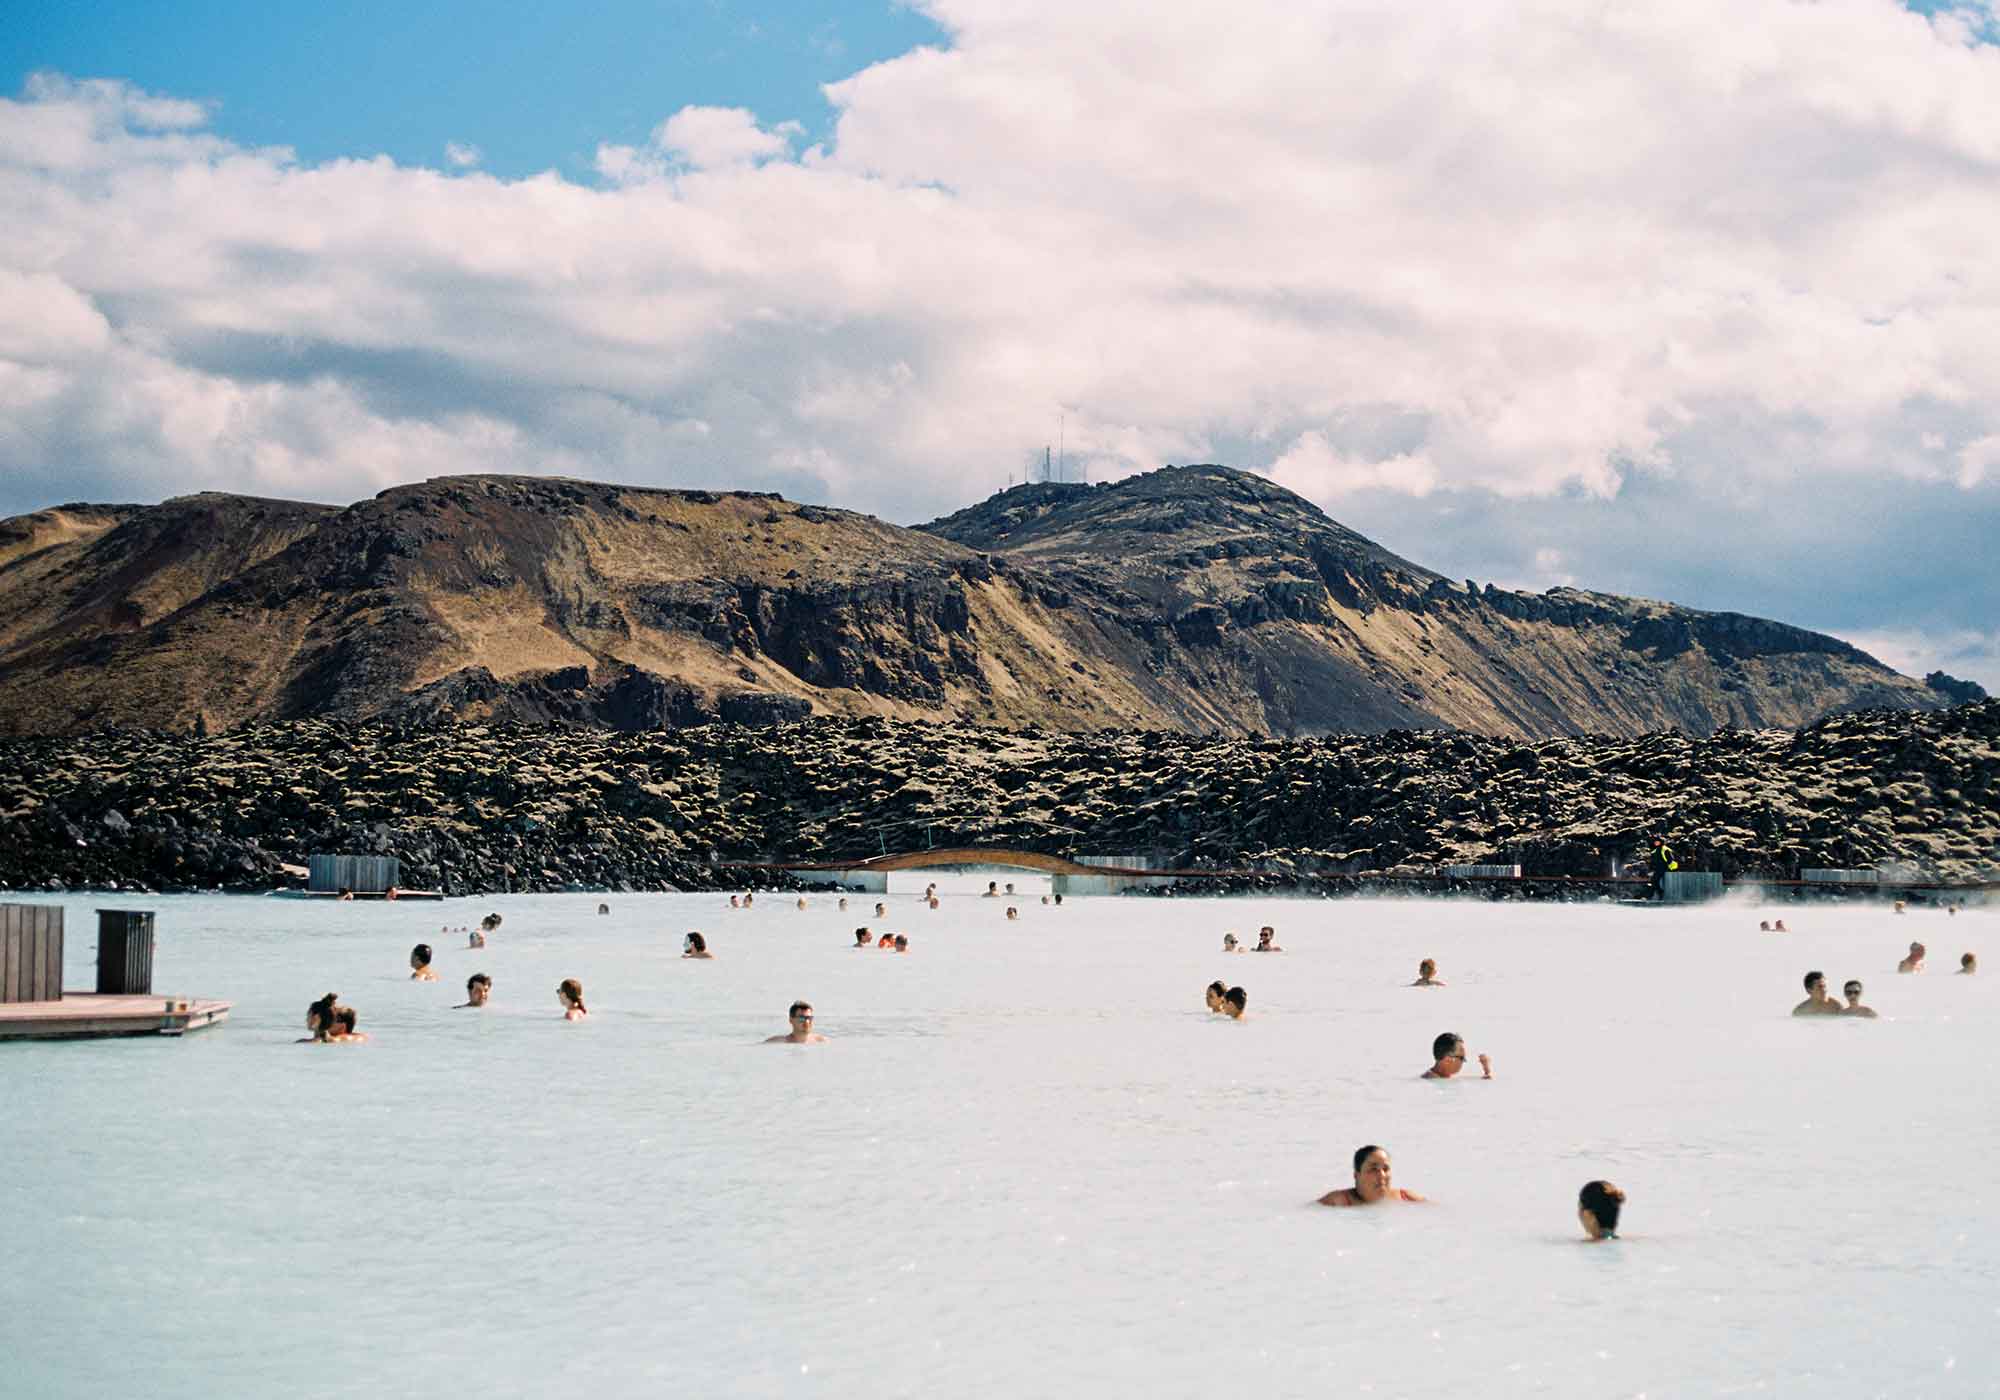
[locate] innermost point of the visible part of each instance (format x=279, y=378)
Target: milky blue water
x=1027, y=1162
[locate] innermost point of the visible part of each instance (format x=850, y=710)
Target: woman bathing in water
x=863, y=938
x=420, y=964
x=1213, y=994
x=1372, y=1182
x=695, y=946
x=1427, y=974
x=1230, y=945
x=319, y=1021
x=1597, y=1207
x=1852, y=991
x=569, y=992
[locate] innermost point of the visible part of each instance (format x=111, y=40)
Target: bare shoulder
x=1339, y=1196
x=1412, y=1196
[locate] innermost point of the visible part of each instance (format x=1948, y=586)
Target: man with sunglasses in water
x=1448, y=1058
x=802, y=1032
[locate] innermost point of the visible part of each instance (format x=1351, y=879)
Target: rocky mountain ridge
x=1191, y=598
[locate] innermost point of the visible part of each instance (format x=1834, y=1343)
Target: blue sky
x=534, y=86
x=1691, y=301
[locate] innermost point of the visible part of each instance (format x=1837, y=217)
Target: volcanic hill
x=1190, y=598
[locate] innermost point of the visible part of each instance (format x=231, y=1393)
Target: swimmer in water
x=802, y=1032
x=344, y=1021
x=748, y=900
x=1817, y=1002
x=930, y=890
x=1763, y=926
x=319, y=1021
x=1012, y=912
x=695, y=946
x=1372, y=1183
x=1213, y=995
x=1058, y=901
x=1235, y=1002
x=1779, y=927
x=843, y=904
x=603, y=909
x=478, y=989
x=1899, y=906
x=1045, y=899
x=1597, y=1207
x=902, y=943
x=475, y=939
x=1010, y=889
x=1427, y=974
x=887, y=940
x=489, y=923
x=933, y=901
x=992, y=890
x=1230, y=945
x=863, y=938
x=881, y=910
x=1968, y=965
x=1852, y=991
x=735, y=903
x=802, y=902
x=420, y=964
x=1448, y=1058
x=345, y=896
x=1915, y=961
x=1264, y=943
x=569, y=992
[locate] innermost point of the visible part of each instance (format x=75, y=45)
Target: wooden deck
x=84, y=1015
x=357, y=894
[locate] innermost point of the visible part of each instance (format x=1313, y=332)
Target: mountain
x=1191, y=598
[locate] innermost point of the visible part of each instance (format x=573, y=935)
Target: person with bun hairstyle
x=569, y=992
x=319, y=1021
x=1597, y=1207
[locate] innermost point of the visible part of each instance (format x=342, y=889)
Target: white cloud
x=1485, y=250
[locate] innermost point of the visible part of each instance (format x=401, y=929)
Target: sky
x=1694, y=302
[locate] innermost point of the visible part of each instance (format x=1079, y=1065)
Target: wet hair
x=323, y=1010
x=1229, y=940
x=1814, y=976
x=345, y=1018
x=421, y=955
x=572, y=990
x=696, y=943
x=1917, y=949
x=1428, y=967
x=1442, y=1045
x=1967, y=961
x=1602, y=1200
x=1853, y=987
x=797, y=1007
x=477, y=979
x=1218, y=987
x=1267, y=932
x=490, y=922
x=1237, y=997
x=902, y=941
x=1361, y=1154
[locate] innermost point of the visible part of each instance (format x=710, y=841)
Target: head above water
x=1236, y=999
x=1427, y=968
x=1448, y=1044
x=319, y=1015
x=1851, y=990
x=571, y=992
x=694, y=942
x=902, y=943
x=1229, y=940
x=1372, y=1176
x=1815, y=979
x=862, y=937
x=1968, y=962
x=420, y=956
x=344, y=1020
x=1598, y=1205
x=478, y=987
x=800, y=1011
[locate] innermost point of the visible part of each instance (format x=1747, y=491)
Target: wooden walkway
x=85, y=1015
x=980, y=856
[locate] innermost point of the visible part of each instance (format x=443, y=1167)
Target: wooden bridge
x=949, y=856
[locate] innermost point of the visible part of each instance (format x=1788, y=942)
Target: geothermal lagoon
x=1027, y=1161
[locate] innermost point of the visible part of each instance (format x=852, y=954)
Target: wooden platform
x=85, y=1015
x=357, y=894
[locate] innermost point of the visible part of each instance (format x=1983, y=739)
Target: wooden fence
x=31, y=952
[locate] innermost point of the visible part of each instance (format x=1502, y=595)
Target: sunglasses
x=802, y=1015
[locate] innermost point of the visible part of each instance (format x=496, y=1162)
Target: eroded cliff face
x=1195, y=599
